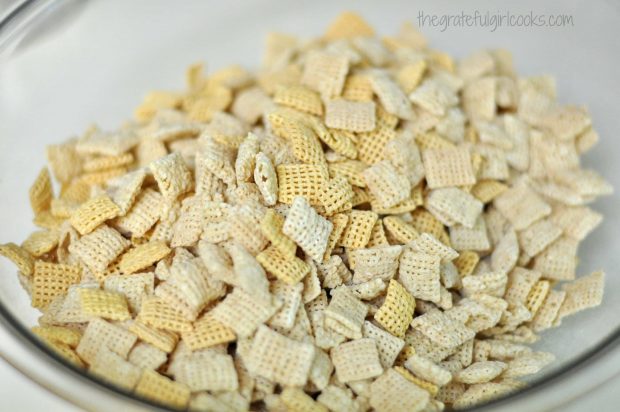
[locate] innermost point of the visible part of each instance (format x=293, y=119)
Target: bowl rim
x=26, y=13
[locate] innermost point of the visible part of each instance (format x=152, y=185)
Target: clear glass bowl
x=65, y=64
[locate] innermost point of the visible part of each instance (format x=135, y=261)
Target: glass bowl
x=65, y=64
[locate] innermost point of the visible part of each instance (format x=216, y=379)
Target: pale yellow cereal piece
x=351, y=170
x=20, y=256
x=349, y=115
x=284, y=319
x=475, y=238
x=145, y=212
x=357, y=88
x=386, y=185
x=393, y=392
x=410, y=75
x=266, y=179
x=102, y=334
x=434, y=96
x=419, y=274
x=159, y=314
x=307, y=228
x=155, y=101
x=41, y=192
x=336, y=196
x=99, y=248
x=147, y=356
x=388, y=345
x=356, y=360
x=100, y=178
x=107, y=162
x=300, y=180
x=359, y=229
x=371, y=145
x=125, y=190
x=339, y=222
x=163, y=340
x=342, y=142
x=576, y=222
x=360, y=196
x=538, y=236
x=304, y=142
x=392, y=98
x=280, y=359
x=244, y=227
x=374, y=263
x=93, y=213
x=427, y=243
x=480, y=372
x=250, y=104
x=559, y=260
x=211, y=371
x=566, y=122
x=399, y=230
x=378, y=237
x=162, y=390
x=288, y=269
x=348, y=25
x=452, y=205
x=325, y=73
x=143, y=256
x=345, y=313
x=242, y=313
x=491, y=283
x=64, y=161
x=64, y=335
x=448, y=167
x=547, y=312
x=429, y=387
x=396, y=312
x=487, y=190
x=583, y=293
x=521, y=206
x=208, y=332
x=527, y=364
x=104, y=304
x=50, y=280
x=172, y=176
x=271, y=227
x=478, y=99
x=134, y=287
x=442, y=330
x=432, y=140
x=299, y=98
x=424, y=222
x=466, y=262
x=428, y=370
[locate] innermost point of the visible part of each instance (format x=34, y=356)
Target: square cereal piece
x=378, y=237
x=396, y=312
x=305, y=180
x=427, y=243
x=559, y=260
x=145, y=212
x=490, y=283
x=410, y=75
x=339, y=222
x=386, y=184
x=480, y=372
x=336, y=196
x=475, y=238
x=357, y=88
x=266, y=178
x=207, y=371
x=351, y=116
x=50, y=280
x=290, y=296
x=356, y=360
x=208, y=332
x=64, y=161
x=93, y=213
x=350, y=169
x=99, y=248
x=371, y=145
x=348, y=25
x=434, y=97
x=487, y=190
x=538, y=236
x=103, y=304
x=428, y=370
x=393, y=392
x=271, y=227
x=172, y=176
x=24, y=261
x=325, y=73
x=448, y=167
x=67, y=336
x=399, y=230
x=392, y=98
x=374, y=263
x=124, y=190
x=244, y=226
x=359, y=229
x=478, y=99
x=300, y=98
x=161, y=339
x=159, y=314
x=307, y=228
x=280, y=359
x=583, y=293
x=451, y=205
x=100, y=163
x=147, y=356
x=345, y=313
x=521, y=206
x=162, y=390
x=143, y=256
x=100, y=333
x=576, y=222
x=547, y=313
x=40, y=242
x=41, y=192
x=419, y=274
x=242, y=313
x=115, y=369
x=289, y=269
x=506, y=252
x=466, y=262
x=520, y=283
x=134, y=287
x=442, y=330
x=388, y=345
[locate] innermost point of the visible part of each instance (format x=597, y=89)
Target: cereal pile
x=363, y=224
